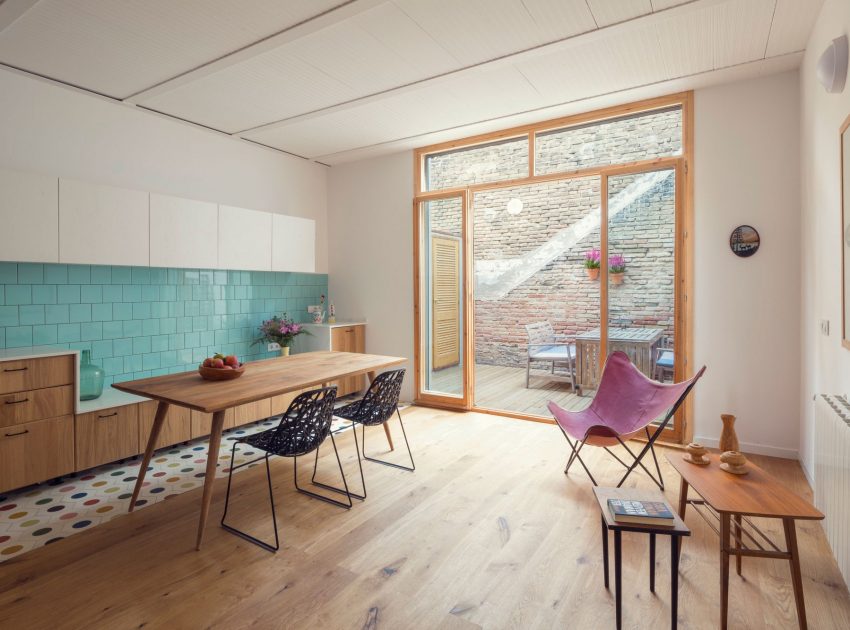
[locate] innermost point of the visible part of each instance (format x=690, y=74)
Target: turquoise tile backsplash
x=143, y=321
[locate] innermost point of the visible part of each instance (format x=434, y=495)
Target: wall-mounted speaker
x=832, y=65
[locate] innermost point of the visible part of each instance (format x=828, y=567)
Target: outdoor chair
x=626, y=403
x=302, y=429
x=664, y=362
x=545, y=346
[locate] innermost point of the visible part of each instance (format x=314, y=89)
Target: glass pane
x=642, y=269
x=533, y=294
x=616, y=141
x=442, y=287
x=497, y=161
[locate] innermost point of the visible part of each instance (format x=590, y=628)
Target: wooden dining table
x=261, y=380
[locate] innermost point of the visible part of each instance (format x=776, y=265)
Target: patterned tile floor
x=46, y=513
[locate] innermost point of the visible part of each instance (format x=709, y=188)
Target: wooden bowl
x=220, y=374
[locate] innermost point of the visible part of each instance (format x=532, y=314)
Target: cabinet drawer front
x=106, y=435
x=26, y=374
x=234, y=417
x=36, y=404
x=177, y=427
x=36, y=451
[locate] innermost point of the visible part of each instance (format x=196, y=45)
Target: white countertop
x=336, y=324
x=33, y=352
x=110, y=397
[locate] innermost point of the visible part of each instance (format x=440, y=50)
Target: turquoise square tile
x=141, y=374
x=121, y=275
x=101, y=312
x=168, y=358
x=159, y=309
x=167, y=326
x=176, y=342
x=30, y=273
x=159, y=372
x=132, y=363
x=150, y=327
x=175, y=276
x=91, y=331
x=56, y=314
x=122, y=347
x=199, y=354
x=175, y=309
x=44, y=335
x=184, y=292
x=80, y=345
x=79, y=312
x=55, y=274
x=200, y=323
x=2, y=337
x=159, y=275
x=150, y=361
x=184, y=356
x=18, y=294
x=141, y=310
x=191, y=276
x=79, y=274
x=113, y=330
x=68, y=293
x=31, y=314
x=192, y=309
x=184, y=324
x=220, y=338
x=159, y=343
x=140, y=275
x=167, y=293
x=207, y=338
x=91, y=293
x=113, y=293
x=206, y=276
x=44, y=294
x=113, y=365
x=2, y=294
x=132, y=328
x=8, y=316
x=8, y=273
x=67, y=333
x=101, y=274
x=141, y=345
x=150, y=293
x=101, y=349
x=122, y=310
x=220, y=277
x=131, y=293
x=18, y=336
x=193, y=339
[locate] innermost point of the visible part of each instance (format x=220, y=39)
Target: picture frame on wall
x=844, y=144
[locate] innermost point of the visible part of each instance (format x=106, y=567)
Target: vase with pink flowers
x=280, y=330
x=592, y=262
x=616, y=268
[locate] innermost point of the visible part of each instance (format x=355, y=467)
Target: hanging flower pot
x=616, y=278
x=592, y=272
x=616, y=268
x=592, y=262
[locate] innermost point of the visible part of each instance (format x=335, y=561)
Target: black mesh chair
x=375, y=408
x=302, y=429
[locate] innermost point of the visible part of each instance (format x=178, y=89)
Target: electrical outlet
x=824, y=327
x=273, y=346
x=315, y=308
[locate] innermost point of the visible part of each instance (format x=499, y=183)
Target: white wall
x=746, y=172
x=370, y=252
x=825, y=363
x=746, y=309
x=63, y=132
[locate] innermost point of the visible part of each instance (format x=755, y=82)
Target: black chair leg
x=260, y=543
x=412, y=466
x=347, y=505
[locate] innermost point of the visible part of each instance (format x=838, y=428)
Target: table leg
x=796, y=577
x=605, y=551
x=724, y=568
x=209, y=477
x=675, y=545
x=738, y=533
x=618, y=577
x=372, y=376
x=652, y=562
x=158, y=421
x=683, y=498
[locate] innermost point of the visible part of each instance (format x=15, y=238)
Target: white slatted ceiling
x=740, y=31
x=119, y=48
x=660, y=5
x=792, y=23
x=609, y=12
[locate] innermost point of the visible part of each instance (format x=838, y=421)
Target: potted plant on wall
x=616, y=268
x=592, y=261
x=279, y=330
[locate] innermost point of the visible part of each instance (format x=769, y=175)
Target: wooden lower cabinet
x=107, y=435
x=243, y=414
x=22, y=407
x=27, y=374
x=279, y=404
x=177, y=427
x=349, y=339
x=36, y=451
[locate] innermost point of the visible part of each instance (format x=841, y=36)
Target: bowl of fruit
x=221, y=368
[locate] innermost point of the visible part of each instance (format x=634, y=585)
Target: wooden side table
x=675, y=533
x=726, y=498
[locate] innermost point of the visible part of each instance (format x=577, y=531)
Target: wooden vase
x=728, y=438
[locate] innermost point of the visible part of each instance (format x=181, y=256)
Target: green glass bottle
x=91, y=378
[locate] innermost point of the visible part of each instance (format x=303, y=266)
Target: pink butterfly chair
x=626, y=403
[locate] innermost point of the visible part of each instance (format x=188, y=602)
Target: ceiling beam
x=337, y=14
x=11, y=10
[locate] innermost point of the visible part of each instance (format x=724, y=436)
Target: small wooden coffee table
x=675, y=533
x=727, y=497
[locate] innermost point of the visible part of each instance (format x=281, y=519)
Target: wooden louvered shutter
x=445, y=292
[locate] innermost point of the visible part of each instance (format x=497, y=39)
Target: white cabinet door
x=184, y=232
x=244, y=239
x=29, y=217
x=293, y=244
x=102, y=225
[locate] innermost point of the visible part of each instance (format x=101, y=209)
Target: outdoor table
x=638, y=343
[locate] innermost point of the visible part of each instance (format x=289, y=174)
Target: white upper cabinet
x=184, y=232
x=103, y=225
x=293, y=244
x=29, y=216
x=244, y=239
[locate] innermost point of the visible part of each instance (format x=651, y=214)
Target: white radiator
x=832, y=474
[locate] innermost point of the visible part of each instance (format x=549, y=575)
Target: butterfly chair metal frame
x=302, y=429
x=608, y=433
x=375, y=408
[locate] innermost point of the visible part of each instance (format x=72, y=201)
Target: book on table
x=641, y=512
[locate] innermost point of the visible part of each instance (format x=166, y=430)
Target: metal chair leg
x=412, y=466
x=658, y=482
x=347, y=505
x=260, y=543
x=527, y=372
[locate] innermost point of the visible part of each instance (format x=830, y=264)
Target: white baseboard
x=758, y=449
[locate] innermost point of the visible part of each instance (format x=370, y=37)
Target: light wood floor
x=487, y=533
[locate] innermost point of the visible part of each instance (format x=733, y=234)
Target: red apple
x=227, y=367
x=208, y=362
x=231, y=360
x=217, y=363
